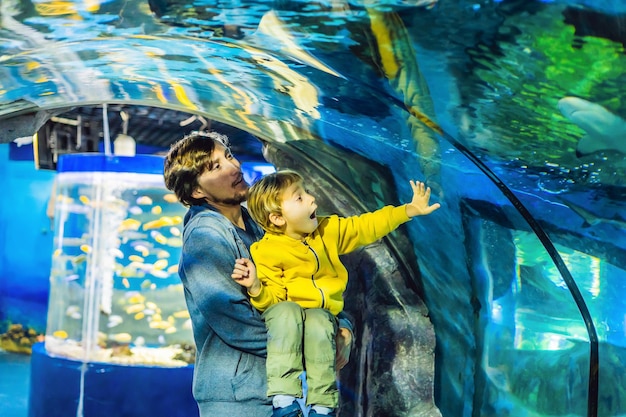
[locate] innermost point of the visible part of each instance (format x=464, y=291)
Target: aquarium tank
x=115, y=295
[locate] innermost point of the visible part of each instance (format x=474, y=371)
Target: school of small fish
x=141, y=237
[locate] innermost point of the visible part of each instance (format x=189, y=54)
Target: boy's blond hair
x=265, y=197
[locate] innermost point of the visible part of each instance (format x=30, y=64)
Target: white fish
x=604, y=130
x=135, y=210
x=129, y=235
x=158, y=273
x=116, y=253
x=114, y=320
x=73, y=311
x=26, y=140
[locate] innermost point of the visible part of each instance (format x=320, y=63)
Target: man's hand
x=343, y=342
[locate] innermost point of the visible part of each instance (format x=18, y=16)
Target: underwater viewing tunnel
x=508, y=300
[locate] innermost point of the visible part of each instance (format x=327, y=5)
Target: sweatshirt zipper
x=317, y=268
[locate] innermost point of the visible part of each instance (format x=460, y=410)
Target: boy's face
x=298, y=208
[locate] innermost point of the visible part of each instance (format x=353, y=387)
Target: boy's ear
x=277, y=220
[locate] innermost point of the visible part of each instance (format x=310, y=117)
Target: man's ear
x=277, y=220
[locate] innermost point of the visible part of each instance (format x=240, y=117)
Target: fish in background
x=604, y=129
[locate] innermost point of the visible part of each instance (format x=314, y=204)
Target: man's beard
x=238, y=199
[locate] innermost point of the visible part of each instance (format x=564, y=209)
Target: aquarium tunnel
x=507, y=301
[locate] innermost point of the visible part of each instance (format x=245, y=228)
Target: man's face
x=222, y=183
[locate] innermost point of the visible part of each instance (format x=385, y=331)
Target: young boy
x=297, y=261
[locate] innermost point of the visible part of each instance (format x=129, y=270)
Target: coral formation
x=20, y=339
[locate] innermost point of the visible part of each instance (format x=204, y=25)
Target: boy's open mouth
x=312, y=216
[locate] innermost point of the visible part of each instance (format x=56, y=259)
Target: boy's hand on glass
x=244, y=273
x=420, y=206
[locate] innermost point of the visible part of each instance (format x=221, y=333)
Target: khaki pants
x=301, y=339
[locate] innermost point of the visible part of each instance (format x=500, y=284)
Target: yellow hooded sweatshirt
x=309, y=271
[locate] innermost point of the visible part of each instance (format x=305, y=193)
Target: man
x=230, y=335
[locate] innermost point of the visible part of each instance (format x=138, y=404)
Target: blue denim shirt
x=230, y=335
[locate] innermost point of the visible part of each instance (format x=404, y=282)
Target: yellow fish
x=79, y=259
x=160, y=264
x=144, y=201
x=135, y=308
x=158, y=237
x=170, y=198
x=163, y=221
x=159, y=325
x=135, y=258
x=61, y=334
x=155, y=224
x=135, y=298
x=182, y=314
x=175, y=242
x=129, y=224
x=121, y=337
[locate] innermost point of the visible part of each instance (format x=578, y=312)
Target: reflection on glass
x=536, y=345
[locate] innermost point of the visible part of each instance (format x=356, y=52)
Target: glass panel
x=115, y=293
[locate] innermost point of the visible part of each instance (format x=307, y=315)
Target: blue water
x=14, y=384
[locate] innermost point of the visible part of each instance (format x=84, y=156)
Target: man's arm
x=209, y=255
